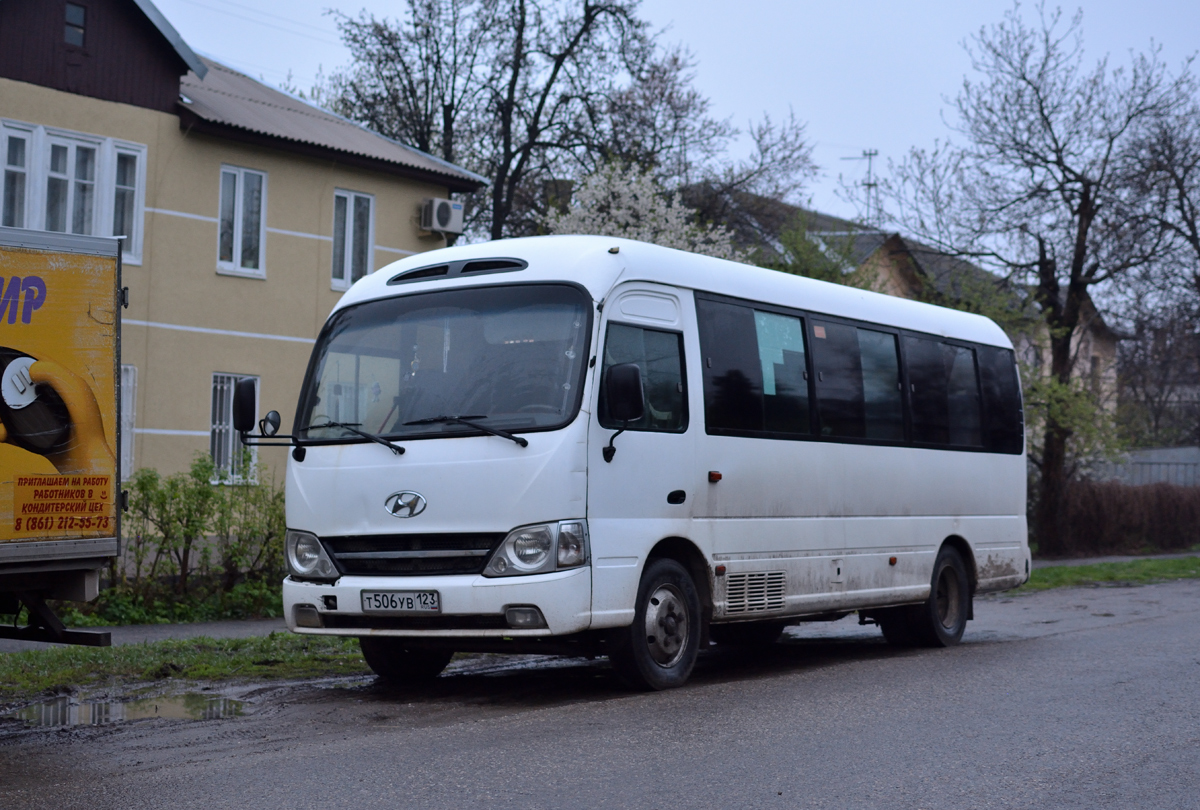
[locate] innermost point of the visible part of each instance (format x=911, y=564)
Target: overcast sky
x=863, y=75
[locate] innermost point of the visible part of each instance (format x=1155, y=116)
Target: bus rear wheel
x=395, y=659
x=658, y=651
x=940, y=620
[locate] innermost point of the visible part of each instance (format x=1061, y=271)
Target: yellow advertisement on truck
x=60, y=371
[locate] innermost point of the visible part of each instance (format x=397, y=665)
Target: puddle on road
x=70, y=711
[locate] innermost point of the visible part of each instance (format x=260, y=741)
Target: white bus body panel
x=828, y=515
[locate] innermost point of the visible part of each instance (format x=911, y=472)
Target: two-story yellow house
x=246, y=212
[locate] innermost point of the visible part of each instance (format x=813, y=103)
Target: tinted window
x=962, y=395
x=883, y=408
x=784, y=372
x=858, y=382
x=927, y=390
x=660, y=357
x=1003, y=422
x=839, y=380
x=732, y=370
x=944, y=392
x=754, y=370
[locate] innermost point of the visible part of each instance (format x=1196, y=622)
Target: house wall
x=176, y=288
x=123, y=57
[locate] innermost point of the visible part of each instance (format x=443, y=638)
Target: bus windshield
x=508, y=357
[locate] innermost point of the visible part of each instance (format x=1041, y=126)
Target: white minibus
x=585, y=445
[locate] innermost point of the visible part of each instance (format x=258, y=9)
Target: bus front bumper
x=472, y=606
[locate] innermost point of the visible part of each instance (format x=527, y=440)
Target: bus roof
x=591, y=262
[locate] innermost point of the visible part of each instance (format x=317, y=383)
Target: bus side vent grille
x=755, y=592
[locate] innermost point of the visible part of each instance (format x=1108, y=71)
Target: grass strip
x=1137, y=572
x=29, y=674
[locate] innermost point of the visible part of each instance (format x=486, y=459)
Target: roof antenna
x=870, y=185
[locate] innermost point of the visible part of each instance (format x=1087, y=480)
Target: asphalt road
x=1084, y=698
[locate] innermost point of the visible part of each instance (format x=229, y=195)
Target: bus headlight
x=306, y=557
x=539, y=549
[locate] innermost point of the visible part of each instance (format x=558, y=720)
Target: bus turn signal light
x=891, y=560
x=713, y=476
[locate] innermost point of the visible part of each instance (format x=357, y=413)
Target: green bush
x=195, y=546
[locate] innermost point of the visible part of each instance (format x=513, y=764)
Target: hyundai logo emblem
x=405, y=504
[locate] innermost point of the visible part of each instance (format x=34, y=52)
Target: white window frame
x=223, y=439
x=345, y=282
x=37, y=171
x=234, y=268
x=128, y=418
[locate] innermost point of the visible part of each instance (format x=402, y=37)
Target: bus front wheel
x=940, y=620
x=658, y=651
x=395, y=660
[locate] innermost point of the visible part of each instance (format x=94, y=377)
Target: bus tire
x=943, y=617
x=940, y=620
x=658, y=651
x=747, y=634
x=397, y=661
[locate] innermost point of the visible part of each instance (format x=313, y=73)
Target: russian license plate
x=401, y=602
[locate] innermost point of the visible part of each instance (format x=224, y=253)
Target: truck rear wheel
x=397, y=661
x=658, y=651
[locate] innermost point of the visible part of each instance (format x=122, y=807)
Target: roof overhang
x=190, y=122
x=172, y=36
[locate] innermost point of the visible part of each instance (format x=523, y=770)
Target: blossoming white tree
x=622, y=201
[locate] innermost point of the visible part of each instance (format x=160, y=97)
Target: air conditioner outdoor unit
x=441, y=216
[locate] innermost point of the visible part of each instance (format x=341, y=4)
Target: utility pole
x=870, y=185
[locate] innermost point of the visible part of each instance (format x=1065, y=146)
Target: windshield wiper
x=466, y=420
x=351, y=426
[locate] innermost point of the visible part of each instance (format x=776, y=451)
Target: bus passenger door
x=644, y=492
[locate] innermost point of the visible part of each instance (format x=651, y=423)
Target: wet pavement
x=1081, y=697
x=69, y=710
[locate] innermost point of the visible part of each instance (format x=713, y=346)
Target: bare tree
x=1038, y=190
x=1164, y=162
x=531, y=92
x=416, y=81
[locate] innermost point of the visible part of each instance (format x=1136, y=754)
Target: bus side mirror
x=623, y=393
x=244, y=405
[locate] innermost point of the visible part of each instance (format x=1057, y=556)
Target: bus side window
x=784, y=372
x=839, y=380
x=962, y=395
x=660, y=357
x=1003, y=422
x=944, y=393
x=732, y=366
x=883, y=403
x=858, y=382
x=927, y=390
x=755, y=370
